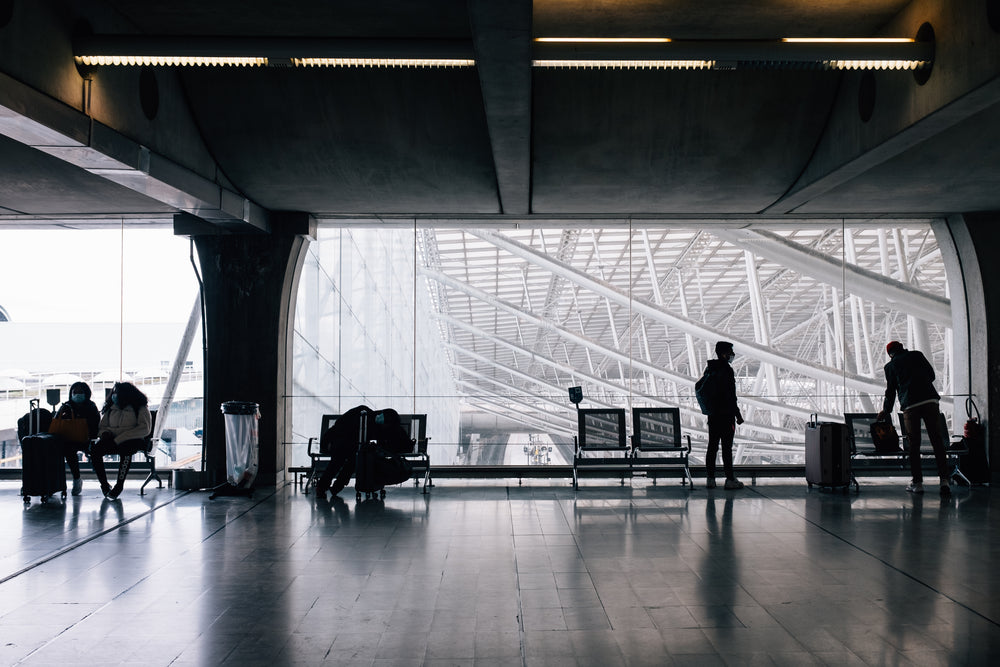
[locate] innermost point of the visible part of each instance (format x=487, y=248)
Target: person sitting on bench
x=125, y=423
x=340, y=442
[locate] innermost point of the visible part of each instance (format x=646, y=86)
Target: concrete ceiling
x=502, y=140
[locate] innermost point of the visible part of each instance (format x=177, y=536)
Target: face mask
x=731, y=357
x=78, y=398
x=114, y=398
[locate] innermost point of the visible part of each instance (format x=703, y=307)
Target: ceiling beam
x=40, y=122
x=501, y=33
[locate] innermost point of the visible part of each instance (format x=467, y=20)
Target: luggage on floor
x=885, y=437
x=43, y=472
x=376, y=469
x=828, y=456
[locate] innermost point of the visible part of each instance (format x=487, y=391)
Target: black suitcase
x=376, y=469
x=828, y=455
x=43, y=472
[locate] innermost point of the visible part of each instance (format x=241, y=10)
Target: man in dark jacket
x=911, y=376
x=342, y=439
x=723, y=415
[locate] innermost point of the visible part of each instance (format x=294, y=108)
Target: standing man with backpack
x=716, y=393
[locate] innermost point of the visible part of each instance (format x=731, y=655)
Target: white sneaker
x=77, y=486
x=915, y=487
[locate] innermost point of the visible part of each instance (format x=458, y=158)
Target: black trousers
x=721, y=431
x=929, y=414
x=71, y=452
x=341, y=464
x=108, y=447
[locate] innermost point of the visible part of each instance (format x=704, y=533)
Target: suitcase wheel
x=357, y=496
x=382, y=494
x=27, y=500
x=45, y=499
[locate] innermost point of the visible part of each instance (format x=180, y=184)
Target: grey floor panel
x=491, y=573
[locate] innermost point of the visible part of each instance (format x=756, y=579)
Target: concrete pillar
x=250, y=282
x=966, y=246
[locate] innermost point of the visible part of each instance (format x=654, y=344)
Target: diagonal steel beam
x=594, y=346
x=856, y=280
x=651, y=310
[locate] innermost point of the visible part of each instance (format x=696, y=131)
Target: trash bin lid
x=239, y=408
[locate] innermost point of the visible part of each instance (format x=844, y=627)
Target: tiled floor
x=481, y=573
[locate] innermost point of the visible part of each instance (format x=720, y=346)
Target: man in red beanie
x=911, y=376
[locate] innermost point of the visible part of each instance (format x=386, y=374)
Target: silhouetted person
x=910, y=376
x=125, y=423
x=341, y=442
x=723, y=414
x=79, y=406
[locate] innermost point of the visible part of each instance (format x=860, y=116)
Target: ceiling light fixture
x=383, y=62
x=170, y=61
x=165, y=51
x=852, y=53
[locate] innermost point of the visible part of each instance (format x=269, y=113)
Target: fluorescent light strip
x=849, y=40
x=382, y=62
x=875, y=64
x=605, y=40
x=626, y=64
x=170, y=61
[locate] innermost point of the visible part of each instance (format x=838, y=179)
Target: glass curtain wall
x=485, y=329
x=99, y=306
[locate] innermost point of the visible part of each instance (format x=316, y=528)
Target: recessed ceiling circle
x=925, y=34
x=993, y=14
x=6, y=12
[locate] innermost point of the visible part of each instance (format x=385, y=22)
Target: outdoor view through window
x=484, y=330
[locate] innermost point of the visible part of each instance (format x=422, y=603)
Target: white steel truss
x=632, y=315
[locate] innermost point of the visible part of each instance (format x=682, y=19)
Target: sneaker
x=915, y=487
x=106, y=490
x=945, y=490
x=77, y=486
x=710, y=484
x=115, y=492
x=733, y=484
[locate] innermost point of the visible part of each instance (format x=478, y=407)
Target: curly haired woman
x=125, y=423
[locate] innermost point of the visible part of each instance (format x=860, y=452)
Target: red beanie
x=893, y=347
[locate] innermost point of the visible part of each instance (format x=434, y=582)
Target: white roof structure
x=631, y=313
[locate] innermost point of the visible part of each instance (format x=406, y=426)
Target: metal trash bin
x=242, y=442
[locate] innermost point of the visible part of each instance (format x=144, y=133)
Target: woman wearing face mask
x=125, y=422
x=79, y=406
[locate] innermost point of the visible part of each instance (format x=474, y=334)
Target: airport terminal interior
x=523, y=226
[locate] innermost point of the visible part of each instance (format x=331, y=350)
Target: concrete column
x=966, y=246
x=250, y=281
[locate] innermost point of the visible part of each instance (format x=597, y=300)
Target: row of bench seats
x=655, y=448
x=866, y=460
x=417, y=457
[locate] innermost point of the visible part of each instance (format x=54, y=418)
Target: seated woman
x=79, y=406
x=125, y=423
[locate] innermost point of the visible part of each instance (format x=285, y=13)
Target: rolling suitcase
x=43, y=472
x=828, y=456
x=376, y=467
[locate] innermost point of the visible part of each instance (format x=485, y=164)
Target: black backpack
x=707, y=390
x=26, y=424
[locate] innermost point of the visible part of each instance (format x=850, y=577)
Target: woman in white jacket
x=125, y=423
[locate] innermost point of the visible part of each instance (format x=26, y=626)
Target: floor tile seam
x=884, y=562
x=517, y=588
x=72, y=546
